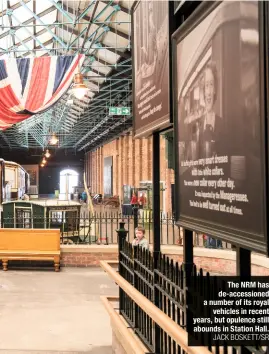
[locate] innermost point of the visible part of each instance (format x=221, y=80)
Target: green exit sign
x=119, y=111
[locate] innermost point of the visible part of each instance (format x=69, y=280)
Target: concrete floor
x=47, y=312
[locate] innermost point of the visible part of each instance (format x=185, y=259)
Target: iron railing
x=97, y=227
x=101, y=227
x=164, y=285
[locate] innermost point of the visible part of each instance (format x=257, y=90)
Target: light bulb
x=44, y=161
x=53, y=139
x=47, y=154
x=42, y=165
x=80, y=92
x=79, y=89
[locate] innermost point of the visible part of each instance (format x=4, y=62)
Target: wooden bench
x=30, y=244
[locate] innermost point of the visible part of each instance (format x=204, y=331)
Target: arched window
x=68, y=180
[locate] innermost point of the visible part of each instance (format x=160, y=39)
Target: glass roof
x=99, y=29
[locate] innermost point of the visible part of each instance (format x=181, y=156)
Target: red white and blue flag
x=32, y=85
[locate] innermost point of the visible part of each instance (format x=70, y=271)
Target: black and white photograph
x=151, y=65
x=219, y=160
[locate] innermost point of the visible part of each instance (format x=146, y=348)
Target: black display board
x=151, y=66
x=219, y=102
x=108, y=176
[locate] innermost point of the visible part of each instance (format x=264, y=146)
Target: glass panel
x=23, y=218
x=22, y=14
x=42, y=5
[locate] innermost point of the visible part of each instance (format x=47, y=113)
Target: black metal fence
x=162, y=286
x=101, y=227
x=88, y=229
x=163, y=282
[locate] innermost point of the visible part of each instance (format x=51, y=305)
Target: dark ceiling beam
x=93, y=111
x=88, y=19
x=99, y=135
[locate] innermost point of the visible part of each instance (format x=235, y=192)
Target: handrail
x=132, y=343
x=177, y=333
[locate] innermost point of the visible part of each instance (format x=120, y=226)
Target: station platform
x=47, y=312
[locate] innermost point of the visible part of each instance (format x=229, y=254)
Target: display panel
x=219, y=114
x=108, y=176
x=33, y=173
x=151, y=66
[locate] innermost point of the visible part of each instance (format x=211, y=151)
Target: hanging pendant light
x=47, y=154
x=79, y=89
x=44, y=161
x=53, y=139
x=42, y=165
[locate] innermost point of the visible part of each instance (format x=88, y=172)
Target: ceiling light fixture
x=79, y=89
x=47, y=154
x=54, y=140
x=44, y=161
x=42, y=165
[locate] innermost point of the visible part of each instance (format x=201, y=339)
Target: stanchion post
x=135, y=213
x=188, y=269
x=243, y=270
x=156, y=227
x=122, y=233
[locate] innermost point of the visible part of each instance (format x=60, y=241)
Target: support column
x=127, y=177
x=156, y=227
x=156, y=193
x=243, y=262
x=117, y=168
x=150, y=159
x=100, y=180
x=243, y=269
x=188, y=267
x=140, y=160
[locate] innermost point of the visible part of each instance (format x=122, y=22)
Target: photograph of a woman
x=149, y=50
x=211, y=125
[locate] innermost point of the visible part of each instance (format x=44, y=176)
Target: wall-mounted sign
x=119, y=111
x=219, y=90
x=151, y=66
x=33, y=171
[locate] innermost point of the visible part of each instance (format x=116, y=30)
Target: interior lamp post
x=79, y=89
x=47, y=154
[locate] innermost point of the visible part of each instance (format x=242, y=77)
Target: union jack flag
x=32, y=85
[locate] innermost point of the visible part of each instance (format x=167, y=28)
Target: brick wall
x=221, y=266
x=132, y=163
x=86, y=256
x=82, y=259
